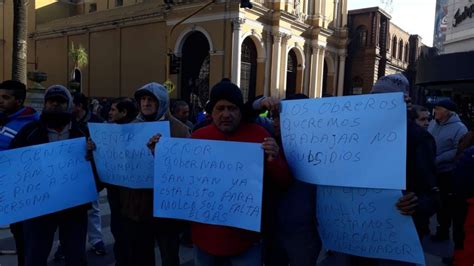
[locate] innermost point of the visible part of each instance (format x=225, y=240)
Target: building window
x=248, y=69
x=362, y=36
x=92, y=7
x=394, y=47
x=400, y=50
x=118, y=3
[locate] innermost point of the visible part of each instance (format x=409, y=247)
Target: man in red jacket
x=221, y=245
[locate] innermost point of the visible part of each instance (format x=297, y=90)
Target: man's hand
x=152, y=143
x=271, y=104
x=407, y=204
x=90, y=148
x=90, y=145
x=270, y=148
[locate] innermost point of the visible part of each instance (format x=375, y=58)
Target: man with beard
x=13, y=116
x=55, y=124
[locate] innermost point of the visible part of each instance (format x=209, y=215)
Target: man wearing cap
x=221, y=245
x=141, y=228
x=447, y=130
x=55, y=124
x=13, y=116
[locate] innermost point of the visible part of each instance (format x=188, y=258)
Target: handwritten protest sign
x=365, y=222
x=121, y=156
x=212, y=182
x=356, y=141
x=43, y=179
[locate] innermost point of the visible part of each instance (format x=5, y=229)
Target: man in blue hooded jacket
x=13, y=116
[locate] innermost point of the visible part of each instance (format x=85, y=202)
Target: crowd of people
x=440, y=161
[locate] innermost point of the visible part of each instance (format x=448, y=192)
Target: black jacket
x=421, y=173
x=36, y=133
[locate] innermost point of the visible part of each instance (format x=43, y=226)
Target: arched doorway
x=195, y=72
x=248, y=69
x=291, y=73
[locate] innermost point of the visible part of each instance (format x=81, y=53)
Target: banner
x=121, y=156
x=44, y=179
x=356, y=141
x=365, y=222
x=212, y=182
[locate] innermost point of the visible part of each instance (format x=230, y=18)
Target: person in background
x=14, y=116
x=295, y=238
x=122, y=111
x=180, y=110
x=421, y=115
x=447, y=130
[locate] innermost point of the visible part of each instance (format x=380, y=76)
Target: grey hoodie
x=447, y=136
x=160, y=93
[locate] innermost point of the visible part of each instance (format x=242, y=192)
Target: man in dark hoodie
x=13, y=116
x=142, y=229
x=55, y=124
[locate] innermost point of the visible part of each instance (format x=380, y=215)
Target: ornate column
x=268, y=48
x=284, y=65
x=307, y=71
x=319, y=88
x=236, y=49
x=340, y=77
x=276, y=60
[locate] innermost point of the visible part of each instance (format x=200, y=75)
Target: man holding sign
x=55, y=125
x=142, y=230
x=219, y=244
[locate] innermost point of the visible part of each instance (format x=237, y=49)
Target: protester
x=220, y=245
x=447, y=130
x=13, y=116
x=83, y=115
x=122, y=111
x=180, y=110
x=295, y=238
x=421, y=197
x=137, y=204
x=55, y=124
x=421, y=115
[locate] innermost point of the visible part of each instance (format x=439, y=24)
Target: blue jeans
x=251, y=257
x=94, y=224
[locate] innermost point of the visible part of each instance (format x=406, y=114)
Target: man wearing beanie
x=55, y=124
x=141, y=228
x=221, y=245
x=447, y=130
x=14, y=116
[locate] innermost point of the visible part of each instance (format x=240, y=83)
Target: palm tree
x=79, y=56
x=20, y=29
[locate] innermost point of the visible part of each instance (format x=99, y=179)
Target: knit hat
x=448, y=104
x=226, y=90
x=59, y=91
x=391, y=83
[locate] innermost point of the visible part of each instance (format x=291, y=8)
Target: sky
x=413, y=16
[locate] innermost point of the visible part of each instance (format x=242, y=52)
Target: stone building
x=275, y=48
x=377, y=48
